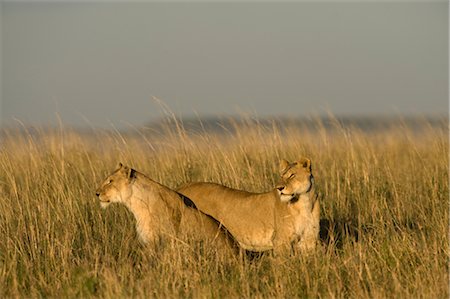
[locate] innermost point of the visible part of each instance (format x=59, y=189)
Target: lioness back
x=198, y=225
x=235, y=208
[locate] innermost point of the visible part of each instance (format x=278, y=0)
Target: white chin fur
x=286, y=197
x=104, y=205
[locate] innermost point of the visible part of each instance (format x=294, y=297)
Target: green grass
x=384, y=213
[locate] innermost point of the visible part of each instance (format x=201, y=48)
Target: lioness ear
x=124, y=169
x=305, y=163
x=131, y=174
x=119, y=166
x=283, y=165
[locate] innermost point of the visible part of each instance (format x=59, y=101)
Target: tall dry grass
x=384, y=213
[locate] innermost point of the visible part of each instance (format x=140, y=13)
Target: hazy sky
x=103, y=62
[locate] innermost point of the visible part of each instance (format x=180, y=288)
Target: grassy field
x=384, y=213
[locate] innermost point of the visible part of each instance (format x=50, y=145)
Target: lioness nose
x=97, y=193
x=280, y=188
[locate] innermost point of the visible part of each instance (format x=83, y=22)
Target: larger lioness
x=284, y=218
x=158, y=210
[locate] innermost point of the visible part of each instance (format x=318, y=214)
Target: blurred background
x=115, y=64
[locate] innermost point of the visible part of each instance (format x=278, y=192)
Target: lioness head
x=296, y=179
x=117, y=186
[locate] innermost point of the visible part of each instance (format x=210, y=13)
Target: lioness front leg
x=308, y=242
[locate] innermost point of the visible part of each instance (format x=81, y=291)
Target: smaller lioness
x=282, y=219
x=158, y=210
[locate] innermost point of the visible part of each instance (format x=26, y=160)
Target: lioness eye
x=291, y=176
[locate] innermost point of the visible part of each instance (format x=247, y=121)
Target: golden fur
x=158, y=210
x=283, y=218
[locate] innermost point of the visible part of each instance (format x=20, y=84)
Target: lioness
x=158, y=210
x=286, y=216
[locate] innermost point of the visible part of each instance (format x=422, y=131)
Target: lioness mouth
x=287, y=197
x=286, y=194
